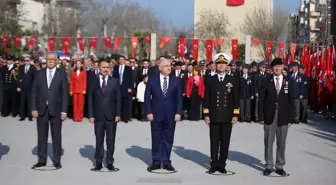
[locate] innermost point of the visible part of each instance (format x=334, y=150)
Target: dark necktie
x=104, y=83
x=165, y=86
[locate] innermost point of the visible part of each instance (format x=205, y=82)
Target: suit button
x=217, y=101
x=217, y=105
x=224, y=105
x=217, y=92
x=217, y=96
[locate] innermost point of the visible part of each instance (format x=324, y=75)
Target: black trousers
x=25, y=104
x=245, y=109
x=10, y=104
x=220, y=134
x=55, y=123
x=142, y=110
x=100, y=128
x=125, y=110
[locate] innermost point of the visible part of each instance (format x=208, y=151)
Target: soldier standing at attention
x=221, y=111
x=9, y=75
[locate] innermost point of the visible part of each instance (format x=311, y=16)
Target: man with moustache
x=163, y=107
x=276, y=106
x=50, y=94
x=104, y=111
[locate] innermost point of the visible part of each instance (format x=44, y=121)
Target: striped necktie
x=165, y=86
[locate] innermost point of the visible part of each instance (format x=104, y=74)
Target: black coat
x=269, y=101
x=105, y=103
x=127, y=80
x=57, y=95
x=25, y=80
x=9, y=77
x=221, y=103
x=245, y=87
x=258, y=81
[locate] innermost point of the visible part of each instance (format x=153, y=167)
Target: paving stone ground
x=310, y=152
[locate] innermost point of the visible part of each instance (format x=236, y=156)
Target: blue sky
x=180, y=13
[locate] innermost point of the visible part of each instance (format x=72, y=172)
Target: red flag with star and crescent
x=93, y=43
x=195, y=48
x=66, y=45
x=32, y=41
x=17, y=41
x=269, y=46
x=234, y=49
x=181, y=47
x=134, y=41
x=80, y=41
x=209, y=46
x=51, y=43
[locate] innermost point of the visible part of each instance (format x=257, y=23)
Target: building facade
x=236, y=16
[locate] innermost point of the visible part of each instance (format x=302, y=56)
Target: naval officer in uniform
x=221, y=111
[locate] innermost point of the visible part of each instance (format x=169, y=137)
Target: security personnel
x=9, y=75
x=221, y=111
x=258, y=80
x=297, y=77
x=245, y=94
x=305, y=95
x=25, y=83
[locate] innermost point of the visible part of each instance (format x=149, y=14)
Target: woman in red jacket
x=195, y=92
x=78, y=82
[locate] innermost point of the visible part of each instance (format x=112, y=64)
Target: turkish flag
x=292, y=52
x=93, y=43
x=108, y=42
x=134, y=41
x=66, y=45
x=208, y=45
x=234, y=2
x=116, y=43
x=51, y=43
x=281, y=48
x=164, y=40
x=181, y=46
x=195, y=48
x=17, y=41
x=217, y=42
x=234, y=50
x=147, y=38
x=329, y=72
x=32, y=41
x=80, y=41
x=269, y=46
x=4, y=43
x=256, y=41
x=306, y=59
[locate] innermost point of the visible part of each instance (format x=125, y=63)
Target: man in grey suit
x=49, y=105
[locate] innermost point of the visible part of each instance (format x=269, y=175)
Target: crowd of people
x=222, y=92
x=17, y=76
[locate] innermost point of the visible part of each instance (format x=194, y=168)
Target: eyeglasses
x=27, y=60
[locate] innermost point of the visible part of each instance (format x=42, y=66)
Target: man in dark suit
x=258, y=80
x=133, y=102
x=245, y=94
x=304, y=95
x=143, y=71
x=50, y=94
x=104, y=110
x=297, y=79
x=276, y=114
x=124, y=75
x=25, y=84
x=163, y=107
x=221, y=111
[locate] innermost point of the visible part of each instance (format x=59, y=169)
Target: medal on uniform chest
x=229, y=86
x=286, y=87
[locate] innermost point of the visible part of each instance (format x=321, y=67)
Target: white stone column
x=153, y=46
x=248, y=49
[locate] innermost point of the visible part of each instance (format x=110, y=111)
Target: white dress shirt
x=245, y=76
x=78, y=72
x=221, y=76
x=145, y=71
x=53, y=70
x=121, y=73
x=141, y=92
x=294, y=75
x=162, y=80
x=177, y=73
x=26, y=68
x=10, y=66
x=213, y=73
x=280, y=80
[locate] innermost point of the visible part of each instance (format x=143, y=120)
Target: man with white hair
x=163, y=107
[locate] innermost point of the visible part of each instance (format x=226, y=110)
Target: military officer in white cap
x=221, y=111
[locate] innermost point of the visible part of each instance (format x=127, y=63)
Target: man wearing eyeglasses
x=25, y=83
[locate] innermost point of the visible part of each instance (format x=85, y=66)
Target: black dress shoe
x=21, y=119
x=212, y=170
x=267, y=172
x=57, y=166
x=98, y=167
x=38, y=165
x=110, y=167
x=222, y=170
x=153, y=167
x=281, y=172
x=169, y=168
